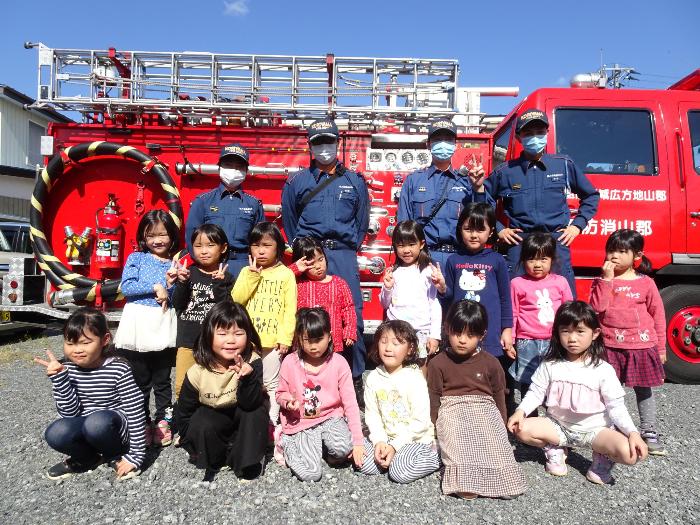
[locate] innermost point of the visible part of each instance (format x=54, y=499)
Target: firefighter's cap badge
x=531, y=115
x=234, y=150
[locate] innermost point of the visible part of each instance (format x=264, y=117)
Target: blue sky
x=529, y=44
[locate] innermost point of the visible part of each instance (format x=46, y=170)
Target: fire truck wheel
x=682, y=305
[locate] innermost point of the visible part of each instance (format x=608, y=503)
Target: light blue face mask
x=534, y=144
x=442, y=150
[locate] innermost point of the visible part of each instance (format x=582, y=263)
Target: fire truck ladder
x=187, y=83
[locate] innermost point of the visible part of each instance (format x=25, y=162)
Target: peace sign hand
x=475, y=171
x=437, y=278
x=389, y=278
x=240, y=367
x=172, y=274
x=183, y=273
x=253, y=264
x=53, y=366
x=221, y=272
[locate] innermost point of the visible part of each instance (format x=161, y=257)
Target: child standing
x=633, y=322
x=146, y=336
x=467, y=406
x=268, y=290
x=317, y=396
x=101, y=407
x=222, y=413
x=408, y=291
x=535, y=297
x=331, y=292
x=584, y=400
x=196, y=290
x=397, y=409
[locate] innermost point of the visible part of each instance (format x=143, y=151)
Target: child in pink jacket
x=317, y=401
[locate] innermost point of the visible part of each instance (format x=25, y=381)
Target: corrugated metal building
x=21, y=130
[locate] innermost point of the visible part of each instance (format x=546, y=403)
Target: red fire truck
x=153, y=124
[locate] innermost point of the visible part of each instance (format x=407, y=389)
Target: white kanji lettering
x=604, y=194
x=643, y=227
x=607, y=226
x=638, y=195
x=649, y=195
x=591, y=228
x=615, y=195
x=660, y=195
x=626, y=195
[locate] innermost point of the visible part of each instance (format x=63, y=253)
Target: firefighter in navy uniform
x=435, y=196
x=534, y=189
x=330, y=203
x=228, y=206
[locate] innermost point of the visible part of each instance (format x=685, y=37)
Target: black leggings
x=152, y=371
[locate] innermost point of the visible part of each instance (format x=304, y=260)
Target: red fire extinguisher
x=108, y=246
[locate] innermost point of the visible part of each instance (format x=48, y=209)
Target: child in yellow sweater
x=268, y=290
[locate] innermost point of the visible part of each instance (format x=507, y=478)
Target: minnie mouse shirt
x=482, y=277
x=322, y=395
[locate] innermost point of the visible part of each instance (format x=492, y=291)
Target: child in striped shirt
x=101, y=407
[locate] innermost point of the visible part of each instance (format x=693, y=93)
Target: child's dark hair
x=407, y=232
x=538, y=245
x=467, y=316
x=224, y=315
x=571, y=313
x=267, y=228
x=85, y=318
x=152, y=219
x=623, y=240
x=215, y=234
x=313, y=323
x=306, y=248
x=404, y=332
x=478, y=216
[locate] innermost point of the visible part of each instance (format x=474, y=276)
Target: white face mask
x=231, y=178
x=325, y=153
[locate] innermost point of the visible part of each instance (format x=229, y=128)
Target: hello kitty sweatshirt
x=483, y=277
x=322, y=395
x=535, y=301
x=631, y=313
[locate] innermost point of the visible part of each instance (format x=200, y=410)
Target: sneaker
x=556, y=461
x=278, y=451
x=67, y=468
x=600, y=470
x=651, y=438
x=252, y=472
x=162, y=435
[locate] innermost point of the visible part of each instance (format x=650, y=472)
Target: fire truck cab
x=641, y=150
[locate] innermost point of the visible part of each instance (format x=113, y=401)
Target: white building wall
x=14, y=133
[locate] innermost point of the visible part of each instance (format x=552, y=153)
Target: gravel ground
x=661, y=490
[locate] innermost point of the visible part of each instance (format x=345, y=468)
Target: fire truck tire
x=78, y=287
x=682, y=305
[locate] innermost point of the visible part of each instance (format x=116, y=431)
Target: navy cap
x=234, y=150
x=442, y=124
x=323, y=128
x=531, y=115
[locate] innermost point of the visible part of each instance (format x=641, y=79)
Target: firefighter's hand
x=240, y=367
x=608, y=273
x=510, y=236
x=568, y=234
x=282, y=349
x=53, y=365
x=303, y=264
x=183, y=272
x=437, y=278
x=389, y=278
x=253, y=264
x=221, y=272
x=476, y=174
x=433, y=345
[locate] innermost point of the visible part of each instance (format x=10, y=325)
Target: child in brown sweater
x=467, y=406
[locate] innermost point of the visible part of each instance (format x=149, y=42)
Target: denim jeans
x=84, y=438
x=530, y=352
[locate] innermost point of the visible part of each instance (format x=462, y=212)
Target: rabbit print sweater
x=535, y=301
